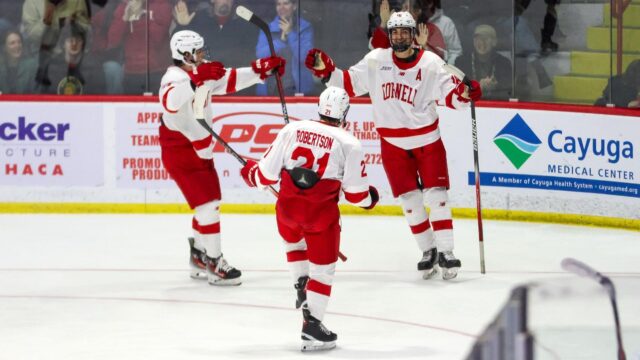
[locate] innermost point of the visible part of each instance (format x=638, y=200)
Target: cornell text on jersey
x=399, y=91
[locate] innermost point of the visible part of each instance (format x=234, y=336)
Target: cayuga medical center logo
x=517, y=141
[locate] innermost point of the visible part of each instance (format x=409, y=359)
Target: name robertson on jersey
x=313, y=139
x=398, y=91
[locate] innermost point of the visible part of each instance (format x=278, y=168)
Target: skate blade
x=198, y=275
x=312, y=345
x=224, y=282
x=450, y=273
x=428, y=274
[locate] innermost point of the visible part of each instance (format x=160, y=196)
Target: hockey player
x=404, y=84
x=314, y=160
x=187, y=147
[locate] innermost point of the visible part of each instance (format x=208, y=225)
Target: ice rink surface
x=117, y=287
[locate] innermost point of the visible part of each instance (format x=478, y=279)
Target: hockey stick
x=202, y=93
x=579, y=268
x=249, y=16
x=476, y=161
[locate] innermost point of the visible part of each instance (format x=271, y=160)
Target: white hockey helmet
x=334, y=104
x=185, y=42
x=401, y=19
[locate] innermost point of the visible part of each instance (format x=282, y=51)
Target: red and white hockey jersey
x=176, y=96
x=333, y=153
x=403, y=94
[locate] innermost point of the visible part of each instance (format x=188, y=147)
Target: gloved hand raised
x=266, y=66
x=248, y=173
x=207, y=71
x=319, y=63
x=375, y=197
x=466, y=93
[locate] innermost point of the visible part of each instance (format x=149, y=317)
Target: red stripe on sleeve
x=202, y=144
x=420, y=228
x=346, y=79
x=231, y=83
x=298, y=255
x=264, y=180
x=194, y=224
x=442, y=225
x=355, y=198
x=210, y=229
x=319, y=287
x=164, y=101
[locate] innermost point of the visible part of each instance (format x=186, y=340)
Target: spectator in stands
x=145, y=41
x=433, y=14
x=42, y=22
x=548, y=27
x=429, y=36
x=17, y=69
x=67, y=69
x=292, y=39
x=108, y=61
x=232, y=38
x=624, y=88
x=492, y=70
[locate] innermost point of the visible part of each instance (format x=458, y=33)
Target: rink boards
x=550, y=163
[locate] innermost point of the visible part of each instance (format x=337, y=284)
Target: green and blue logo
x=517, y=141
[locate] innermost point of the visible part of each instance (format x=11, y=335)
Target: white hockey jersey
x=176, y=96
x=330, y=151
x=403, y=95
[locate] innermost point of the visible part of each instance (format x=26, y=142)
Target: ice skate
x=301, y=289
x=219, y=272
x=449, y=265
x=428, y=262
x=315, y=336
x=197, y=262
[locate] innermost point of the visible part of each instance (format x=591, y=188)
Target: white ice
x=117, y=287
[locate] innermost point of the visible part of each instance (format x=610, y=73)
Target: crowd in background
x=121, y=46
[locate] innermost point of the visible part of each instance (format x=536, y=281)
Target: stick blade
x=244, y=13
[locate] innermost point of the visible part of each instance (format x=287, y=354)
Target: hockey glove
x=375, y=197
x=207, y=71
x=266, y=66
x=319, y=63
x=248, y=173
x=475, y=91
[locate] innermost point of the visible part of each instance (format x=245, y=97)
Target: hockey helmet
x=334, y=104
x=185, y=42
x=401, y=19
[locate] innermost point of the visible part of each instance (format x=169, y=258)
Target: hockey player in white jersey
x=314, y=161
x=404, y=84
x=187, y=148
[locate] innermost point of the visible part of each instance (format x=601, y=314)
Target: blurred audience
x=292, y=39
x=428, y=37
x=17, y=69
x=144, y=38
x=624, y=88
x=433, y=14
x=492, y=70
x=9, y=15
x=109, y=61
x=230, y=39
x=65, y=69
x=548, y=28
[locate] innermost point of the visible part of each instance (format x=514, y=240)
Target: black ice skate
x=315, y=336
x=449, y=265
x=197, y=262
x=219, y=272
x=428, y=262
x=301, y=289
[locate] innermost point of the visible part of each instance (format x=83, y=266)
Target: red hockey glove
x=375, y=197
x=475, y=91
x=248, y=173
x=319, y=63
x=207, y=71
x=266, y=66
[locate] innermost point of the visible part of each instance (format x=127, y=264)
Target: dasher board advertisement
x=45, y=145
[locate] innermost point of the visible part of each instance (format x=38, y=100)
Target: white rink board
x=115, y=156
